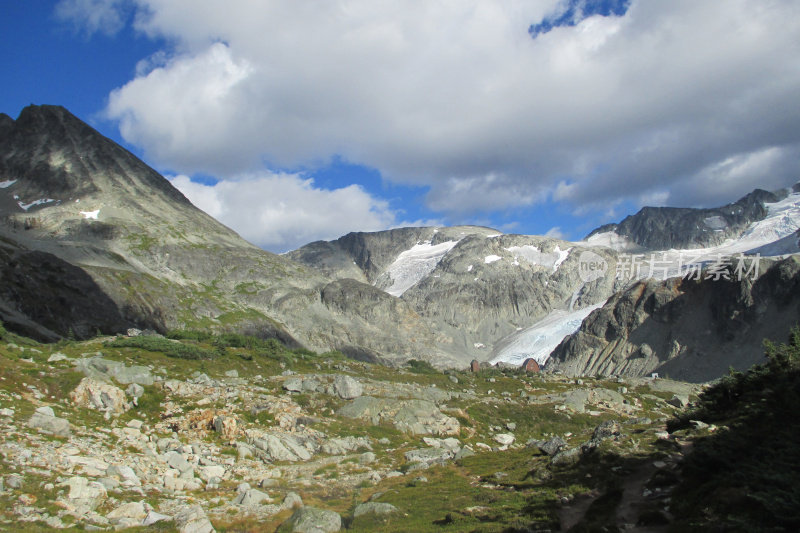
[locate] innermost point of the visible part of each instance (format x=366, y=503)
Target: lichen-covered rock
x=313, y=520
x=374, y=508
x=100, y=396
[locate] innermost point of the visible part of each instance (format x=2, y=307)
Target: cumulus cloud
x=666, y=100
x=281, y=212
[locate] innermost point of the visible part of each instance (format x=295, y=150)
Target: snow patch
x=415, y=264
x=469, y=268
x=6, y=184
x=611, y=239
x=540, y=339
x=41, y=201
x=90, y=214
x=489, y=259
x=532, y=255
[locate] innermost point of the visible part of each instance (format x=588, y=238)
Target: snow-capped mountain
x=505, y=298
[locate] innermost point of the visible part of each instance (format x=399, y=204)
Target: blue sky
x=290, y=124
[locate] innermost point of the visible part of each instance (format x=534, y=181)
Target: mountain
x=473, y=286
x=505, y=298
x=662, y=228
x=95, y=240
x=148, y=258
x=695, y=312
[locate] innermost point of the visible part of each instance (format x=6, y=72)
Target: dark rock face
x=46, y=298
x=691, y=330
x=662, y=228
x=53, y=152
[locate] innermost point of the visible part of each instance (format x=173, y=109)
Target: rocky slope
x=105, y=434
x=152, y=259
x=687, y=329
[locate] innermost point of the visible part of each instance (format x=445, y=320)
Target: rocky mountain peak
x=55, y=155
x=662, y=228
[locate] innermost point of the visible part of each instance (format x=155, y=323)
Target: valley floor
x=237, y=434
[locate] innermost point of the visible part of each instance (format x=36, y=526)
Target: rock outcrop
x=692, y=330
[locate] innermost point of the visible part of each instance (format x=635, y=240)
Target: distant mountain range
x=92, y=239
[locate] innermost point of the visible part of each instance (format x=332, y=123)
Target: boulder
x=44, y=419
x=100, y=396
x=125, y=474
x=293, y=385
x=251, y=497
x=132, y=511
x=420, y=417
x=504, y=439
x=312, y=520
x=530, y=365
x=226, y=426
x=193, y=519
x=84, y=493
x=346, y=387
x=607, y=430
x=154, y=517
x=679, y=400
x=553, y=445
x=292, y=500
x=374, y=508
x=566, y=457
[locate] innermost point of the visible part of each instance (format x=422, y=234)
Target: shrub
x=421, y=367
x=170, y=348
x=745, y=478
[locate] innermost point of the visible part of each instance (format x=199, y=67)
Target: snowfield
x=532, y=255
x=25, y=207
x=540, y=339
x=415, y=264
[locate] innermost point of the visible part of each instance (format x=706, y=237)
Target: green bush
x=168, y=347
x=190, y=335
x=421, y=367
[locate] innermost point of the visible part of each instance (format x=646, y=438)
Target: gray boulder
x=193, y=519
x=374, y=508
x=293, y=385
x=553, y=446
x=607, y=430
x=346, y=387
x=44, y=419
x=567, y=457
x=251, y=497
x=313, y=520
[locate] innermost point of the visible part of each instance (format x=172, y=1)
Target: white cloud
x=281, y=212
x=457, y=96
x=104, y=16
x=555, y=233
